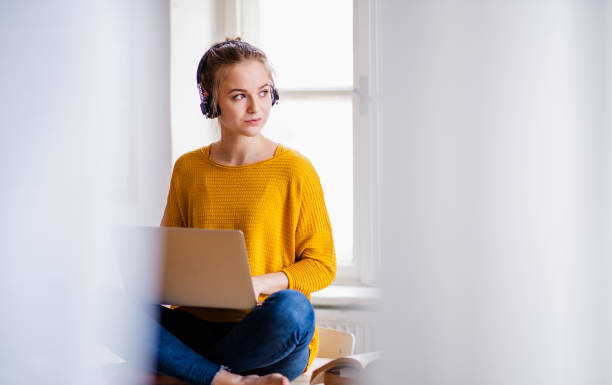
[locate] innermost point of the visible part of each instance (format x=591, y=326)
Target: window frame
x=366, y=264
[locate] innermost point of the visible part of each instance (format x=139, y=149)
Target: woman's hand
x=269, y=283
x=257, y=287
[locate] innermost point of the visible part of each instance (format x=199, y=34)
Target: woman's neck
x=241, y=150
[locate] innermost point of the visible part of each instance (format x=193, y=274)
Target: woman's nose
x=252, y=105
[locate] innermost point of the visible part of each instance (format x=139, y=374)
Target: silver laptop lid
x=187, y=266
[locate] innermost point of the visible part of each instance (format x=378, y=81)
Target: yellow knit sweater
x=277, y=203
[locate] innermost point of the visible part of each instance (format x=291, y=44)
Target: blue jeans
x=272, y=338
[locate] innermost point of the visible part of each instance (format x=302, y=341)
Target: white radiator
x=359, y=322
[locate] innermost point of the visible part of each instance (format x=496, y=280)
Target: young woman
x=248, y=182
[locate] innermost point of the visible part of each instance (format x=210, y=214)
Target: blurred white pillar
x=84, y=142
x=496, y=191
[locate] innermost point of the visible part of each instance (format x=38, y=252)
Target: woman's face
x=244, y=98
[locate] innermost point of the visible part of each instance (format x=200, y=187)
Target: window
x=323, y=56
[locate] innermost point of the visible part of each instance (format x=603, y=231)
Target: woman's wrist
x=270, y=283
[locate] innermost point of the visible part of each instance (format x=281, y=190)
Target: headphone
x=206, y=102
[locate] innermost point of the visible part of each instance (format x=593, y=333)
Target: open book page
x=356, y=362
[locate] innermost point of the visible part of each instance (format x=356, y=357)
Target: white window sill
x=347, y=296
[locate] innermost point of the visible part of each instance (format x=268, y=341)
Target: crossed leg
x=272, y=338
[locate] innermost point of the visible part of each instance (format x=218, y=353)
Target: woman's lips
x=253, y=121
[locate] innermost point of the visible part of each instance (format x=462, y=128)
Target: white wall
x=194, y=26
x=148, y=62
x=496, y=197
x=84, y=143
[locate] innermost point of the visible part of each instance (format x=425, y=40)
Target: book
x=349, y=370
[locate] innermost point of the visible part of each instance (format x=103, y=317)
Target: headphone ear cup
x=274, y=95
x=207, y=110
x=204, y=108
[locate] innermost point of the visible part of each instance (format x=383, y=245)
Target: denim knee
x=290, y=307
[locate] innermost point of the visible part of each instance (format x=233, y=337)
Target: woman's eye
x=238, y=97
x=263, y=92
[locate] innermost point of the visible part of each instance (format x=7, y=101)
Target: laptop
x=186, y=266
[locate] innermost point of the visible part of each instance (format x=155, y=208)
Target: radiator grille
x=358, y=322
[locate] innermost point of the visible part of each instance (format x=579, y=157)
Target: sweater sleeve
x=173, y=215
x=315, y=266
